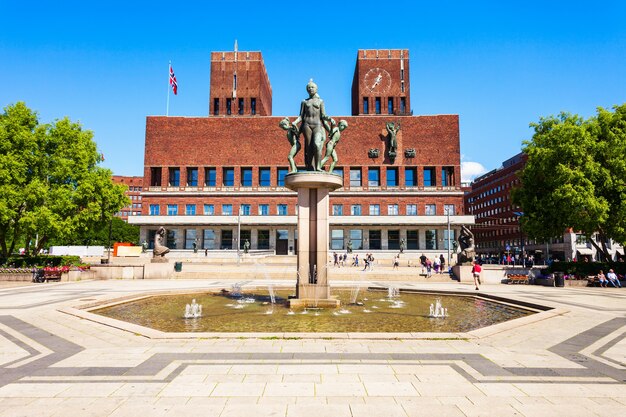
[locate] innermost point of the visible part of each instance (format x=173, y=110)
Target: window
x=355, y=177
x=430, y=210
x=240, y=106
x=264, y=209
x=282, y=172
x=392, y=177
x=210, y=177
x=375, y=240
x=448, y=209
x=356, y=236
x=390, y=105
x=377, y=104
x=264, y=177
x=411, y=209
x=402, y=102
x=393, y=239
x=209, y=210
x=253, y=106
x=374, y=209
x=235, y=82
x=246, y=177
x=154, y=209
x=174, y=180
x=336, y=239
x=227, y=239
x=373, y=177
x=412, y=240
x=449, y=241
x=172, y=210
x=431, y=239
x=229, y=104
x=227, y=209
x=282, y=209
x=263, y=239
x=338, y=171
x=410, y=177
x=190, y=238
x=190, y=210
x=228, y=179
x=155, y=177
x=337, y=210
x=429, y=177
x=244, y=209
x=355, y=210
x=216, y=107
x=392, y=210
x=192, y=177
x=171, y=239
x=243, y=236
x=208, y=239
x=447, y=176
x=366, y=105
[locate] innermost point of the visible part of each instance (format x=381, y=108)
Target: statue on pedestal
x=466, y=244
x=159, y=243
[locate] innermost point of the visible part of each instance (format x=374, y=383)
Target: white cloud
x=471, y=170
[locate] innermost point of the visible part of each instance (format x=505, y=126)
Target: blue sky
x=499, y=65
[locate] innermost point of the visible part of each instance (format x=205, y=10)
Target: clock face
x=377, y=80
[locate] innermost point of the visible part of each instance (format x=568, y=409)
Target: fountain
x=193, y=311
x=437, y=310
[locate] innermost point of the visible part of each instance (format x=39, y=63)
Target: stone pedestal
x=313, y=188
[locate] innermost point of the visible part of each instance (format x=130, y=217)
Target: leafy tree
x=575, y=177
x=99, y=235
x=50, y=183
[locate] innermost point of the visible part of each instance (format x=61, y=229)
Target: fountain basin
x=161, y=316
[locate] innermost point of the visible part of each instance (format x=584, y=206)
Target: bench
x=517, y=279
x=52, y=275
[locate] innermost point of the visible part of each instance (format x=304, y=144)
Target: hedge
x=41, y=260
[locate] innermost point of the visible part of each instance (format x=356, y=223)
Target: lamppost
x=239, y=235
x=519, y=214
x=448, y=237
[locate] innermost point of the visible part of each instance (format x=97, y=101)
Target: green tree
x=99, y=235
x=50, y=183
x=575, y=177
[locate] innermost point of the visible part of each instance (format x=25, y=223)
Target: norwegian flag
x=173, y=82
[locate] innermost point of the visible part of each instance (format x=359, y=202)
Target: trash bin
x=559, y=279
x=178, y=266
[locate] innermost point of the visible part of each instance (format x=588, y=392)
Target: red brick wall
x=259, y=142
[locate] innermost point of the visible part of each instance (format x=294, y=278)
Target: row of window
x=228, y=106
x=264, y=179
x=282, y=210
x=135, y=197
x=390, y=104
x=134, y=188
x=393, y=210
x=434, y=239
x=227, y=210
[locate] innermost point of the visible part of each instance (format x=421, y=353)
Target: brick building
x=201, y=172
x=135, y=187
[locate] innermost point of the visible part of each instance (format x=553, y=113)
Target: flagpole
x=169, y=69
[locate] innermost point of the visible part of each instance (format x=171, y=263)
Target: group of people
x=438, y=265
x=609, y=278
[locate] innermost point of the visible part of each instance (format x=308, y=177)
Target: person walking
x=336, y=259
x=396, y=262
x=476, y=270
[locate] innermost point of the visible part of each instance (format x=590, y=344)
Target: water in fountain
x=235, y=289
x=437, y=310
x=193, y=310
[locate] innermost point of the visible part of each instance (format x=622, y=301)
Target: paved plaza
x=57, y=364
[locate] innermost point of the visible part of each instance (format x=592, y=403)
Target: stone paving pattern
x=56, y=364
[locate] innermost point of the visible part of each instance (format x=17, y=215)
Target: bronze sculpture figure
x=334, y=131
x=466, y=244
x=159, y=243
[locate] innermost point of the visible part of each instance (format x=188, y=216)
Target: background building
x=204, y=175
x=135, y=187
x=497, y=231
